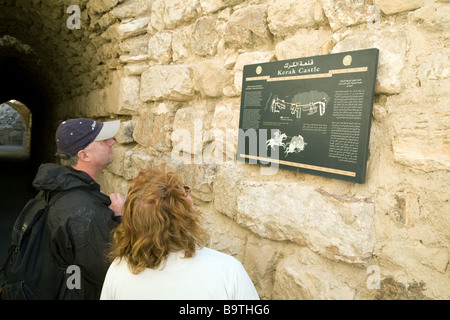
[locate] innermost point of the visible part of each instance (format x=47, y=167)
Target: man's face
x=100, y=152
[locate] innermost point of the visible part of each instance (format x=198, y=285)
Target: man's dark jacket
x=79, y=227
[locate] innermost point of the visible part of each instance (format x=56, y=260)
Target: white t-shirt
x=208, y=275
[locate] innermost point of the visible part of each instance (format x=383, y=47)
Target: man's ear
x=82, y=155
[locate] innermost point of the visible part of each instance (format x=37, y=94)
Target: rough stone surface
x=393, y=46
x=332, y=225
x=167, y=82
x=171, y=71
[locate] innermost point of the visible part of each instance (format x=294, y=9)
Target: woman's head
x=158, y=218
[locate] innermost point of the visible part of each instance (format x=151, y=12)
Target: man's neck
x=92, y=172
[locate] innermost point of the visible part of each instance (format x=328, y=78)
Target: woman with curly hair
x=158, y=251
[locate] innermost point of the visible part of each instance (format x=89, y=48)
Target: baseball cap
x=74, y=135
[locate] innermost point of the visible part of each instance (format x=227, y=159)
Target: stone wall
x=171, y=70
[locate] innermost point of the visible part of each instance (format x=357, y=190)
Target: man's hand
x=117, y=202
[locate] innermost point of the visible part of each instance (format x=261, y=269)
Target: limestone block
x=335, y=226
x=424, y=144
x=260, y=261
x=169, y=14
x=298, y=280
x=226, y=121
x=302, y=44
x=109, y=183
x=129, y=29
x=135, y=68
x=154, y=127
x=393, y=45
x=187, y=136
x=247, y=27
x=200, y=179
x=160, y=47
x=396, y=6
x=138, y=161
x=134, y=46
x=285, y=17
x=228, y=178
x=181, y=44
x=131, y=9
x=436, y=67
x=413, y=254
x=210, y=77
x=229, y=238
x=347, y=13
x=433, y=16
x=212, y=6
x=99, y=6
x=122, y=94
x=249, y=58
x=205, y=36
x=120, y=164
x=125, y=134
x=173, y=82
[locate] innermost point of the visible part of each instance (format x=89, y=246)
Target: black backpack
x=30, y=261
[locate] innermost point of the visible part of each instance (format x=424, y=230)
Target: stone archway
x=18, y=136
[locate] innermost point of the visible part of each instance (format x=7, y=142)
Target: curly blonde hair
x=158, y=218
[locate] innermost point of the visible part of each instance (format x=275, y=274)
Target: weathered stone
x=101, y=5
x=436, y=67
x=211, y=78
x=245, y=59
x=128, y=9
x=154, y=126
x=424, y=145
x=122, y=95
x=396, y=6
x=168, y=14
x=347, y=13
x=129, y=29
x=120, y=164
x=393, y=45
x=302, y=44
x=137, y=161
x=135, y=46
x=212, y=6
x=299, y=281
x=125, y=134
x=187, y=136
x=433, y=16
x=181, y=46
x=199, y=179
x=286, y=17
x=167, y=82
x=247, y=27
x=335, y=226
x=160, y=47
x=226, y=121
x=205, y=37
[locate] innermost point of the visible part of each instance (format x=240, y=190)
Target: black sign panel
x=309, y=114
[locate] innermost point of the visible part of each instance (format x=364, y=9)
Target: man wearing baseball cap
x=80, y=221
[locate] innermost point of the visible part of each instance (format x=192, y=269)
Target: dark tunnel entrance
x=17, y=82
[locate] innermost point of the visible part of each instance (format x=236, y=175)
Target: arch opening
x=15, y=130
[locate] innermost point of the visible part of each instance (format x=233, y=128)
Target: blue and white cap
x=74, y=135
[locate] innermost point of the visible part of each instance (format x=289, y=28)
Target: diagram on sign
x=295, y=145
x=311, y=102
